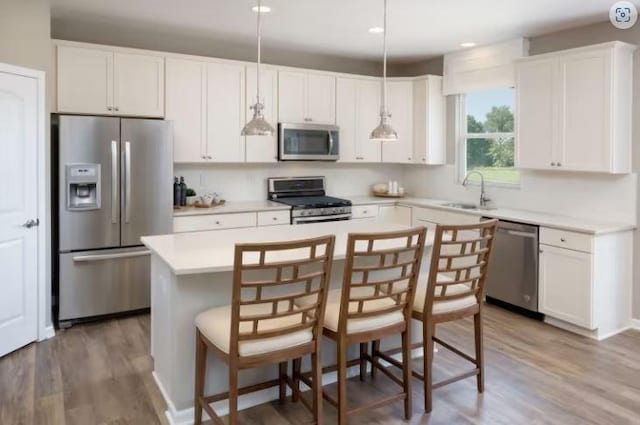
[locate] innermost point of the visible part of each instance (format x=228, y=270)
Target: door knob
x=31, y=223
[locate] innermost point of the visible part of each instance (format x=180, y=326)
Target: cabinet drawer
x=213, y=222
x=273, y=218
x=364, y=211
x=565, y=239
x=423, y=216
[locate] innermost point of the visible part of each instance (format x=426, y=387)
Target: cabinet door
x=262, y=148
x=346, y=100
x=585, y=108
x=566, y=286
x=400, y=104
x=187, y=107
x=292, y=88
x=368, y=117
x=225, y=112
x=536, y=112
x=396, y=214
x=85, y=80
x=138, y=85
x=429, y=144
x=321, y=99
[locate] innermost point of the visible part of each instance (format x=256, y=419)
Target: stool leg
x=283, y=384
x=342, y=382
x=233, y=394
x=406, y=373
x=427, y=334
x=295, y=393
x=201, y=371
x=363, y=361
x=477, y=324
x=375, y=347
x=316, y=371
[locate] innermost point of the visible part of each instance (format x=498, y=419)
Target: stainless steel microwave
x=308, y=142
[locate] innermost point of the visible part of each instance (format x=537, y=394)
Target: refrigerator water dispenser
x=83, y=187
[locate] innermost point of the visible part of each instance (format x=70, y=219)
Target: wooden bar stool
x=375, y=301
x=453, y=290
x=264, y=325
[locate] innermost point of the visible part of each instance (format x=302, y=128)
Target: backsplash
x=248, y=182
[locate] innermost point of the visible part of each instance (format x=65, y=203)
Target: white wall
x=248, y=182
x=582, y=195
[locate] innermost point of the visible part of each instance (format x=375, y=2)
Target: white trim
x=45, y=329
x=635, y=324
x=185, y=416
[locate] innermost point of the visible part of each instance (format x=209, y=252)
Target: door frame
x=45, y=328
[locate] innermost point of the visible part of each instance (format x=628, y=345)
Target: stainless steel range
x=308, y=200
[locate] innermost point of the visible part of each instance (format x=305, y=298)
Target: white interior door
x=18, y=204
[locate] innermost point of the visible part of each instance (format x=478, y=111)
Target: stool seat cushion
x=356, y=325
x=215, y=325
x=446, y=306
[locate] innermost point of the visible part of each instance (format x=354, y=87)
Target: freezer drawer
x=94, y=283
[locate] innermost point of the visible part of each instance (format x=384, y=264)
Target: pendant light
x=384, y=132
x=258, y=126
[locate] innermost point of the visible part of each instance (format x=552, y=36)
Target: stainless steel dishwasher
x=512, y=281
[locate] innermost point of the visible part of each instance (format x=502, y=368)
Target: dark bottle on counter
x=176, y=192
x=183, y=192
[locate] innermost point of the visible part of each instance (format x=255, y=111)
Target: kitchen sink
x=461, y=205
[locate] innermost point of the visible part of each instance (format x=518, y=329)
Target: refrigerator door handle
x=127, y=181
x=101, y=257
x=114, y=182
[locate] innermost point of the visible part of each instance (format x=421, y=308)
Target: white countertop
x=213, y=251
x=232, y=207
x=522, y=216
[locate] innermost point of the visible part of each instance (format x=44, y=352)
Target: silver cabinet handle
x=559, y=164
x=31, y=223
x=275, y=218
x=109, y=108
x=330, y=141
x=116, y=108
x=127, y=180
x=87, y=258
x=114, y=181
x=563, y=240
x=553, y=164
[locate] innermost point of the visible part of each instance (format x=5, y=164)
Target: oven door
x=308, y=142
x=320, y=218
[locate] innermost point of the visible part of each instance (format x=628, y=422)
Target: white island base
x=192, y=272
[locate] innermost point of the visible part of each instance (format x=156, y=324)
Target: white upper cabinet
x=186, y=97
x=138, y=84
x=225, y=112
x=573, y=109
x=85, y=80
x=429, y=144
x=107, y=81
x=357, y=113
x=306, y=97
x=262, y=148
x=400, y=105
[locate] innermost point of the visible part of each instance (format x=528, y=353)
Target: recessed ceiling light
x=376, y=30
x=468, y=44
x=263, y=9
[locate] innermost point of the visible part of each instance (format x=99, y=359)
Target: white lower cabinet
x=274, y=218
x=565, y=285
x=397, y=214
x=198, y=223
x=364, y=211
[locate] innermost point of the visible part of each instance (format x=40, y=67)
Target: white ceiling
x=417, y=28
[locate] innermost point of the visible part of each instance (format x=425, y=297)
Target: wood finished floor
x=536, y=374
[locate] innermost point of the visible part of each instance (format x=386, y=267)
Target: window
x=486, y=136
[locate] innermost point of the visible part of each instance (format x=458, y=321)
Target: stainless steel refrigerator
x=114, y=186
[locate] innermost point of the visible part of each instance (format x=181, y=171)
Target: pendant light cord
x=259, y=53
x=384, y=63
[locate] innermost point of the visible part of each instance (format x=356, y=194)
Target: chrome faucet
x=483, y=196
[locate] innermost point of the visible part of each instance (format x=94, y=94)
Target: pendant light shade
x=384, y=132
x=258, y=126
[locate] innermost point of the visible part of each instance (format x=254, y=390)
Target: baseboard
x=635, y=324
x=596, y=334
x=185, y=416
x=46, y=333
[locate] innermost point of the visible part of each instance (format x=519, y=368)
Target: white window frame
x=461, y=145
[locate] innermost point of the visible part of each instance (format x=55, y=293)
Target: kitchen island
x=192, y=272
